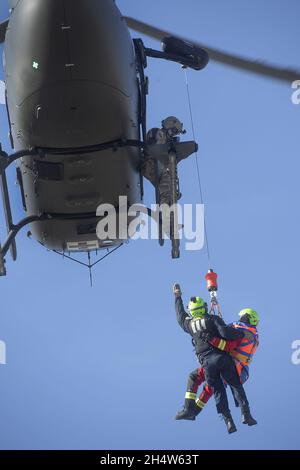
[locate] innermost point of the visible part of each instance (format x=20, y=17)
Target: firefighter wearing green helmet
x=217, y=364
x=249, y=320
x=242, y=350
x=250, y=316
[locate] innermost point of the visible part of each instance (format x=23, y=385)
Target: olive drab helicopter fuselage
x=71, y=83
x=76, y=107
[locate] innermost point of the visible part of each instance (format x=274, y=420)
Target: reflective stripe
x=222, y=344
x=190, y=396
x=203, y=324
x=240, y=351
x=193, y=327
x=196, y=326
x=200, y=403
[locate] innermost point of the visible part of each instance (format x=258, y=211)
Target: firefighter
x=242, y=350
x=217, y=364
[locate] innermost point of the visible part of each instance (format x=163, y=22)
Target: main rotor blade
x=242, y=63
x=3, y=28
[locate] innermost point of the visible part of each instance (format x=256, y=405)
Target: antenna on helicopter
x=88, y=265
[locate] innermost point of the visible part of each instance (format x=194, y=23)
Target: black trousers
x=218, y=366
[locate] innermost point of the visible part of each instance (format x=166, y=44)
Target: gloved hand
x=176, y=290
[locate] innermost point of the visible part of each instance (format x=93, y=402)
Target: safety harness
x=246, y=349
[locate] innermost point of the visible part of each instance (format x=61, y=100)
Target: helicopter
x=76, y=99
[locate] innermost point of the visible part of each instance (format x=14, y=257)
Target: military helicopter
x=76, y=99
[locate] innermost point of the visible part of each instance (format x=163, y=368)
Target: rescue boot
x=189, y=412
x=247, y=418
x=229, y=423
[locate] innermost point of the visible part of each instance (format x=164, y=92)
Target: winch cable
x=211, y=277
x=197, y=164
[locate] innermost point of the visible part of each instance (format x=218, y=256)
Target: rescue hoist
x=212, y=287
x=211, y=277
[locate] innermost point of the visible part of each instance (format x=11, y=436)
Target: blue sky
x=106, y=368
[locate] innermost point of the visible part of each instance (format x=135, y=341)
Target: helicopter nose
x=70, y=68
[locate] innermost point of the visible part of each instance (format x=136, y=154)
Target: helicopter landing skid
x=6, y=160
x=169, y=155
x=2, y=264
x=15, y=229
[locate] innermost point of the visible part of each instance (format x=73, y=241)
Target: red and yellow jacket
x=242, y=349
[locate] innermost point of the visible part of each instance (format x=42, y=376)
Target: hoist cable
x=197, y=163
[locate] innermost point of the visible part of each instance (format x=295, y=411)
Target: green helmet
x=197, y=307
x=252, y=316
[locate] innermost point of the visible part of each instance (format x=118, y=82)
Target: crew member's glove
x=176, y=290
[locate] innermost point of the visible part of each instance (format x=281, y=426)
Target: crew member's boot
x=229, y=423
x=190, y=410
x=247, y=418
